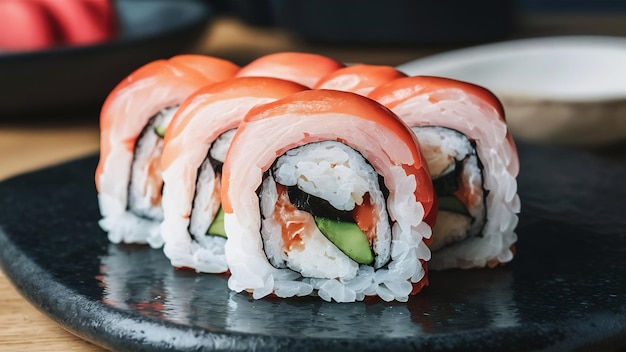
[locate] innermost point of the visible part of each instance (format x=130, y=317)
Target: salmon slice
x=360, y=79
x=303, y=68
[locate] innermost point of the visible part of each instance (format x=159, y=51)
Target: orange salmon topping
x=295, y=223
x=155, y=180
x=468, y=195
x=366, y=217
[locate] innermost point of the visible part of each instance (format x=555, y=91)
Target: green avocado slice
x=217, y=226
x=452, y=204
x=348, y=237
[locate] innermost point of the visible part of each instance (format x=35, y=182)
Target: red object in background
x=40, y=24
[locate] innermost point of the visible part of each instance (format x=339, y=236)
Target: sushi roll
x=303, y=68
x=194, y=151
x=133, y=120
x=473, y=163
x=360, y=79
x=326, y=192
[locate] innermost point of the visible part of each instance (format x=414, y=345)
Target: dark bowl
x=65, y=78
x=395, y=21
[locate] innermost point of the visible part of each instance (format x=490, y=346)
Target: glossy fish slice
x=303, y=68
x=360, y=79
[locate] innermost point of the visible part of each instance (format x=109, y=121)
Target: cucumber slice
x=217, y=226
x=160, y=130
x=348, y=237
x=453, y=204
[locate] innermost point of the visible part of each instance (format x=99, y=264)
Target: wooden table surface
x=29, y=145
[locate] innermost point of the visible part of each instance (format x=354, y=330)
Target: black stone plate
x=565, y=290
x=71, y=77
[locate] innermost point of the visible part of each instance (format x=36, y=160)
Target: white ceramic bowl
x=561, y=90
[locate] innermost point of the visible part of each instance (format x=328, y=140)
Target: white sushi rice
x=328, y=170
x=205, y=202
x=440, y=145
x=126, y=227
x=219, y=148
x=324, y=268
x=206, y=252
x=139, y=220
x=500, y=208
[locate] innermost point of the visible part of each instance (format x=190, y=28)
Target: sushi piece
x=360, y=79
x=326, y=192
x=133, y=120
x=473, y=163
x=193, y=154
x=302, y=68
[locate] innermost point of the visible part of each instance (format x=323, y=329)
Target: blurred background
x=120, y=35
x=59, y=59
